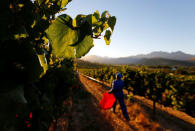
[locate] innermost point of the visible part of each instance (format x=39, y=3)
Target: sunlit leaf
x=84, y=46
x=91, y=19
x=107, y=37
x=99, y=23
x=74, y=23
x=33, y=24
x=43, y=63
x=45, y=40
x=94, y=20
x=97, y=30
x=69, y=52
x=44, y=17
x=64, y=3
x=61, y=35
x=97, y=14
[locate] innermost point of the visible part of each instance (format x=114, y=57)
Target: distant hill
x=154, y=58
x=178, y=55
x=162, y=61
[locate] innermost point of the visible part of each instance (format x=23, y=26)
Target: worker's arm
x=112, y=89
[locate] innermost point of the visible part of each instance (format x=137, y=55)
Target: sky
x=143, y=26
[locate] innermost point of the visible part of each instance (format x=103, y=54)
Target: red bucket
x=107, y=101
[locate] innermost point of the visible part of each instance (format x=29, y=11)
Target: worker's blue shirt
x=117, y=88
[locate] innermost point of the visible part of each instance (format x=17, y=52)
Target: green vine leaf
x=107, y=37
x=63, y=3
x=66, y=35
x=84, y=46
x=97, y=14
x=105, y=14
x=43, y=63
x=61, y=35
x=79, y=19
x=112, y=22
x=105, y=26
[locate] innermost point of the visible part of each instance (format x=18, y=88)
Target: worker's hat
x=118, y=75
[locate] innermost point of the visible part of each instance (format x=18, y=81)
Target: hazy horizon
x=143, y=26
x=138, y=54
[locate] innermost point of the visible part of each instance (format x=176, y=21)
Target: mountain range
x=178, y=58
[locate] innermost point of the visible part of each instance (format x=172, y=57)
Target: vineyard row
x=165, y=88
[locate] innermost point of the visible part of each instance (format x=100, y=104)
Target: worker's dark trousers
x=122, y=105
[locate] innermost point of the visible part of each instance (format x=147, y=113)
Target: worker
x=117, y=90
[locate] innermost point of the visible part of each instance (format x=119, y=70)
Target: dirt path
x=97, y=92
x=86, y=114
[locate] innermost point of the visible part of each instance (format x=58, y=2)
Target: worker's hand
x=109, y=92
